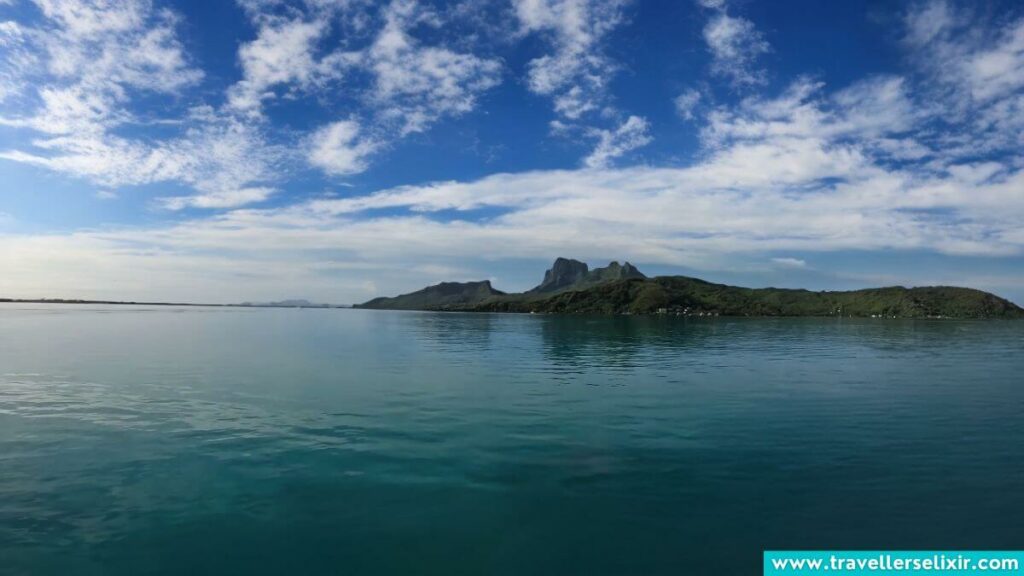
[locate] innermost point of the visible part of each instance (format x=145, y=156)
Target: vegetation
x=443, y=296
x=678, y=295
x=586, y=293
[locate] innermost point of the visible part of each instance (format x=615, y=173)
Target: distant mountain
x=567, y=274
x=569, y=287
x=298, y=303
x=446, y=295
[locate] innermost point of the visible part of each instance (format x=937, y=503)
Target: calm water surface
x=139, y=440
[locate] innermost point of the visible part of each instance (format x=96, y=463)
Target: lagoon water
x=161, y=440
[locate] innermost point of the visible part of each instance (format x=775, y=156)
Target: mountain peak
x=567, y=273
x=563, y=273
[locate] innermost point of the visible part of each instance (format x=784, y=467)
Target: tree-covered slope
x=441, y=296
x=679, y=295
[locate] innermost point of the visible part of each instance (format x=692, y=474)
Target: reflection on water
x=164, y=440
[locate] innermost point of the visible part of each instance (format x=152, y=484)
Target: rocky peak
x=563, y=273
x=627, y=270
x=566, y=273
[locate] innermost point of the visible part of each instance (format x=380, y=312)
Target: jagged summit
x=616, y=271
x=563, y=273
x=569, y=274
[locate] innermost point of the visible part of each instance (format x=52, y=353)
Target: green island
x=570, y=287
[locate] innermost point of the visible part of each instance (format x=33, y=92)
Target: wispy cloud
x=415, y=85
x=18, y=60
x=219, y=157
x=576, y=72
x=979, y=67
x=630, y=135
x=974, y=68
x=229, y=198
x=282, y=53
x=788, y=262
x=701, y=217
x=96, y=58
x=686, y=103
x=735, y=45
x=338, y=148
x=412, y=84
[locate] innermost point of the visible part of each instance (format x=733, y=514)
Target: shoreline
x=132, y=303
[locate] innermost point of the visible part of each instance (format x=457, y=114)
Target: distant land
x=277, y=304
x=286, y=304
x=570, y=287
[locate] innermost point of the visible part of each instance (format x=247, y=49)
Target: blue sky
x=341, y=149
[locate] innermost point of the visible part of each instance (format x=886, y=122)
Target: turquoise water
x=140, y=440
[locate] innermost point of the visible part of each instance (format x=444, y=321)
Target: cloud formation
x=406, y=85
x=630, y=135
x=337, y=148
x=735, y=45
x=415, y=85
x=923, y=160
x=96, y=59
x=576, y=72
x=686, y=103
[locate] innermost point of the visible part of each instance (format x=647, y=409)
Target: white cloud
x=876, y=105
x=735, y=44
x=926, y=21
x=337, y=148
x=972, y=71
x=787, y=262
x=411, y=84
x=686, y=103
x=218, y=199
x=17, y=62
x=281, y=53
x=999, y=69
x=97, y=57
x=703, y=217
x=217, y=156
x=416, y=85
x=88, y=58
x=980, y=61
x=289, y=54
x=112, y=45
x=577, y=72
x=805, y=172
x=869, y=118
x=630, y=135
